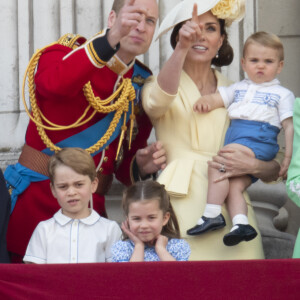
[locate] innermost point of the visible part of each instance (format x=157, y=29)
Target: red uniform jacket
x=61, y=74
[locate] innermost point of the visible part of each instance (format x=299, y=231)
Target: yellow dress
x=191, y=139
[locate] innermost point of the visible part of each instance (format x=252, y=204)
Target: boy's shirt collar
x=63, y=220
x=275, y=81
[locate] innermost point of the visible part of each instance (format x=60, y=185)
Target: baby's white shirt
x=267, y=102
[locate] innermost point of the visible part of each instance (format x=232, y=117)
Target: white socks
x=239, y=219
x=211, y=211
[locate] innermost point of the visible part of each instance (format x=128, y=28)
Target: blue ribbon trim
x=20, y=177
x=90, y=136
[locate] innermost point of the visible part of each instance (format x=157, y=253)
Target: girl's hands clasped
x=160, y=244
x=131, y=236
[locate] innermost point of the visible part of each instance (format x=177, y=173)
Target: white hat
x=229, y=10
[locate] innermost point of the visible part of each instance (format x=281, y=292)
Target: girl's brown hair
x=77, y=159
x=225, y=55
x=152, y=190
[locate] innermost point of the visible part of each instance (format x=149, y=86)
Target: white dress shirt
x=65, y=240
x=266, y=102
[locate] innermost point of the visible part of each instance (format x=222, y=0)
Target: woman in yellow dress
x=193, y=140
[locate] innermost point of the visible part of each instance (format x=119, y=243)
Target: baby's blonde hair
x=265, y=39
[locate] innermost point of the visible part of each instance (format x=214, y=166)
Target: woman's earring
x=217, y=55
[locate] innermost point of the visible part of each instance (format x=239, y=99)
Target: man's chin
x=135, y=49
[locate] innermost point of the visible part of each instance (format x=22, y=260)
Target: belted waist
x=177, y=175
x=182, y=153
x=34, y=160
x=38, y=161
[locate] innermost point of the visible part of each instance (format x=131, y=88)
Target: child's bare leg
x=212, y=218
x=237, y=208
x=236, y=203
x=217, y=191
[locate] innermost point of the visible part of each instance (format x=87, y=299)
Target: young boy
x=258, y=107
x=76, y=233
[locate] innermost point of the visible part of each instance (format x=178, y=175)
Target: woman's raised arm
x=188, y=33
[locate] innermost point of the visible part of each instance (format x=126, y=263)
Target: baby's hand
x=132, y=237
x=284, y=167
x=202, y=106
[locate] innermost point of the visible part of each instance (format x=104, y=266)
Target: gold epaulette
x=71, y=40
x=118, y=102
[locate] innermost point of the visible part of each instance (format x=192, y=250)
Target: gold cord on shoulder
x=124, y=95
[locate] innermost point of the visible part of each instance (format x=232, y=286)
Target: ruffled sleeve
x=179, y=249
x=121, y=251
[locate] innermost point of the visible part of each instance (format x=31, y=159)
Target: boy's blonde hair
x=265, y=39
x=77, y=159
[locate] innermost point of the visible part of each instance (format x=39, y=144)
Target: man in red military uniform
x=68, y=94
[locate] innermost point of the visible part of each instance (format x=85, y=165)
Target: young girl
x=76, y=233
x=151, y=228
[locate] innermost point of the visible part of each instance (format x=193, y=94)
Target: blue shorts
x=260, y=137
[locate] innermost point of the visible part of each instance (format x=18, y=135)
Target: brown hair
x=117, y=5
x=265, y=39
x=225, y=55
x=77, y=159
x=152, y=190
